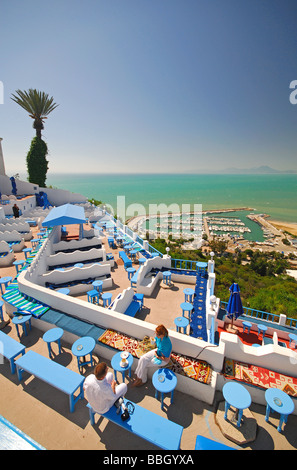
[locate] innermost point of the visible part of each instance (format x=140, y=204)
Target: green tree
x=39, y=105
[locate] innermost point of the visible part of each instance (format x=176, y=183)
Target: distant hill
x=259, y=170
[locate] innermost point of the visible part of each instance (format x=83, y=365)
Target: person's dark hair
x=100, y=370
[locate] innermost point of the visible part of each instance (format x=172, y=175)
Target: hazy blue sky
x=152, y=85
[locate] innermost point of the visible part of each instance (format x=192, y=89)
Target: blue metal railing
x=260, y=314
x=183, y=264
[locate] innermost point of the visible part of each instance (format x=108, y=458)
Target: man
x=101, y=390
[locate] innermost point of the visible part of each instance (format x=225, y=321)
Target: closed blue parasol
x=234, y=307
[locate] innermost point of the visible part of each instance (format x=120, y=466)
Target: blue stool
x=106, y=299
x=246, y=325
x=93, y=296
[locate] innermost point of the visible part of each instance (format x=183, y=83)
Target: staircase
x=198, y=317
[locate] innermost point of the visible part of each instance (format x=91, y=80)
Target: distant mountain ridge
x=264, y=169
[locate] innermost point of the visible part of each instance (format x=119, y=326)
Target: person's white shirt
x=99, y=393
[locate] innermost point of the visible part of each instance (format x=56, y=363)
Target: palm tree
x=37, y=104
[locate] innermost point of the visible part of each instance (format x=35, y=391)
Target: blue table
x=98, y=286
x=181, y=322
x=52, y=373
x=189, y=294
x=186, y=308
x=133, y=254
x=82, y=347
x=4, y=281
x=53, y=335
x=236, y=395
x=141, y=261
x=106, y=297
x=64, y=290
x=246, y=325
x=19, y=263
x=10, y=348
x=167, y=277
x=116, y=365
x=26, y=251
x=201, y=267
x=164, y=381
x=21, y=320
x=278, y=401
x=293, y=338
x=262, y=329
x=35, y=242
x=130, y=272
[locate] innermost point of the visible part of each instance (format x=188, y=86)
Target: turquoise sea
x=273, y=194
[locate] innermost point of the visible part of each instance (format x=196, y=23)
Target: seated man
x=101, y=390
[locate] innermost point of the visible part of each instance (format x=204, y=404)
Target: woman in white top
x=101, y=390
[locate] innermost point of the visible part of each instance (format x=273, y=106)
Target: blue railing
x=183, y=264
x=261, y=315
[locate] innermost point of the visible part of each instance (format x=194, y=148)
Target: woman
x=159, y=356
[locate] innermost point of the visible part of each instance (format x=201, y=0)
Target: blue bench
x=133, y=308
x=203, y=443
x=159, y=431
x=10, y=348
x=125, y=259
x=52, y=373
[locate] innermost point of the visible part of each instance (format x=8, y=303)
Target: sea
x=271, y=194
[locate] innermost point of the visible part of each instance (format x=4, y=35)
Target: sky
x=153, y=86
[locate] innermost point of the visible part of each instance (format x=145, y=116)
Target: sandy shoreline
x=285, y=226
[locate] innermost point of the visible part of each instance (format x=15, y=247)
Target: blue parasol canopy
x=234, y=307
x=13, y=184
x=65, y=215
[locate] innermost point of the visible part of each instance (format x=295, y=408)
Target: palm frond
x=37, y=103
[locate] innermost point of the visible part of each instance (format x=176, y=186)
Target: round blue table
x=116, y=365
x=262, y=329
x=19, y=263
x=26, y=251
x=5, y=281
x=201, y=267
x=130, y=272
x=21, y=320
x=81, y=348
x=293, y=338
x=98, y=285
x=64, y=290
x=106, y=297
x=53, y=335
x=246, y=325
x=167, y=277
x=181, y=322
x=164, y=381
x=133, y=254
x=189, y=294
x=236, y=395
x=35, y=242
x=278, y=401
x=186, y=308
x=141, y=261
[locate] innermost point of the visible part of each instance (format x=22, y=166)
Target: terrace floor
x=42, y=412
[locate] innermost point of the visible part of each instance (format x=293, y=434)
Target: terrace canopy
x=67, y=214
